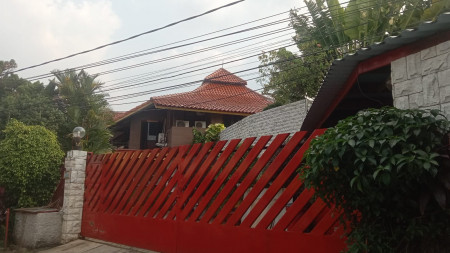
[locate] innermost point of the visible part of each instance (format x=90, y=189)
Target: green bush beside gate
x=392, y=166
x=30, y=157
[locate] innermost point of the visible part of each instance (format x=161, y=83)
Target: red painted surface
x=209, y=198
x=381, y=61
x=6, y=228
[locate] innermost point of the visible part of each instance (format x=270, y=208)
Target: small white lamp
x=77, y=134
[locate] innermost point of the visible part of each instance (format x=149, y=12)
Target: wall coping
x=36, y=210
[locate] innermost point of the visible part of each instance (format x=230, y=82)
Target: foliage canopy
x=331, y=31
x=30, y=103
x=71, y=99
x=84, y=105
x=393, y=167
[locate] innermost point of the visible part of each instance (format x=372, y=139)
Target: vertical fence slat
x=122, y=186
x=309, y=216
x=285, y=197
x=278, y=182
x=208, y=180
x=180, y=178
x=92, y=175
x=94, y=167
x=134, y=178
x=95, y=189
x=248, y=160
x=325, y=224
x=294, y=210
x=168, y=193
x=221, y=178
x=107, y=173
x=122, y=175
x=262, y=182
x=146, y=175
x=161, y=182
x=249, y=178
x=147, y=188
x=205, y=165
x=116, y=175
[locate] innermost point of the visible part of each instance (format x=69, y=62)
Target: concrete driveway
x=88, y=246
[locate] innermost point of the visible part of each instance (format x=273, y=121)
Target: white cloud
x=37, y=31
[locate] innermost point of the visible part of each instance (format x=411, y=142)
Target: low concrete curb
x=94, y=246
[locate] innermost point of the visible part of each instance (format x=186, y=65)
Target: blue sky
x=39, y=31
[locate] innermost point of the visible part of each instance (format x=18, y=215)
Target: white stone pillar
x=72, y=210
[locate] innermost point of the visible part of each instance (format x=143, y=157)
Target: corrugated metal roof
x=341, y=69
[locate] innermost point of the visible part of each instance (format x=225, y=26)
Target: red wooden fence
x=217, y=197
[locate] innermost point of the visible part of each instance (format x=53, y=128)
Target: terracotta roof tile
x=224, y=76
x=216, y=97
x=220, y=91
x=118, y=115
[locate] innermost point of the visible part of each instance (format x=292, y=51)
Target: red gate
x=217, y=197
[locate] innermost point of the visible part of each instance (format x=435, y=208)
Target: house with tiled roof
x=168, y=120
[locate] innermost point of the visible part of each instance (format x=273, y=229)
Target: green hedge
x=30, y=157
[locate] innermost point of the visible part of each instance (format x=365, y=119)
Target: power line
x=128, y=96
x=132, y=37
x=231, y=61
x=141, y=81
x=130, y=85
x=117, y=59
x=230, y=53
x=134, y=55
x=294, y=58
x=199, y=74
x=340, y=30
x=192, y=52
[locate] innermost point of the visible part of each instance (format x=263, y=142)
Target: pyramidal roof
x=220, y=92
x=224, y=76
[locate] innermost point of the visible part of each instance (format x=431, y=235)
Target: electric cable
x=90, y=65
x=132, y=37
x=38, y=77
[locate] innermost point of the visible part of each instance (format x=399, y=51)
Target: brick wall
x=282, y=119
x=422, y=80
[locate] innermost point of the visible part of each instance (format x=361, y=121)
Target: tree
x=7, y=66
x=29, y=164
x=31, y=103
x=83, y=104
x=331, y=31
x=288, y=78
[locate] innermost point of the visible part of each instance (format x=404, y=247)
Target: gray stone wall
x=75, y=175
x=283, y=119
x=422, y=80
x=37, y=227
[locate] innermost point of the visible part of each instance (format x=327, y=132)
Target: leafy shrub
x=199, y=137
x=29, y=164
x=2, y=215
x=392, y=166
x=212, y=133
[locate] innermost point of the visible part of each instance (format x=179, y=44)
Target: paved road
x=85, y=246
